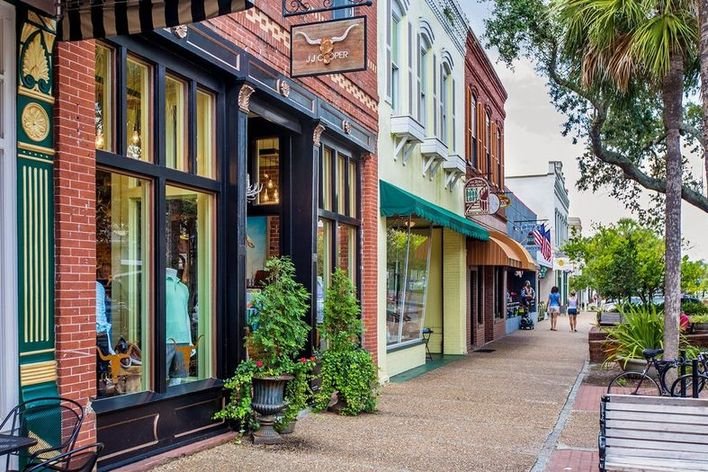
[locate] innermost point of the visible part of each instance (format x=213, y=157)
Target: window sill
x=402, y=346
x=112, y=404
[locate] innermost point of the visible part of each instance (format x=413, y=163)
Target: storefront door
x=8, y=285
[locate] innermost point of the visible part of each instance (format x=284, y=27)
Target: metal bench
x=653, y=434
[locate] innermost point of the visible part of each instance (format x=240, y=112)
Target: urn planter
x=268, y=401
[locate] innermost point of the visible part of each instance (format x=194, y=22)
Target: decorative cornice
x=317, y=134
x=457, y=30
x=244, y=98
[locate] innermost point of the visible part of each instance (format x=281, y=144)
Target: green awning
x=398, y=202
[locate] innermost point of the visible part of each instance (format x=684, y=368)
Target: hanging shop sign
x=328, y=47
x=477, y=197
x=564, y=264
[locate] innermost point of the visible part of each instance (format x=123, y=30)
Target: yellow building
x=422, y=231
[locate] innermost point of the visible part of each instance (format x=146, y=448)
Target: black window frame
x=160, y=176
x=333, y=215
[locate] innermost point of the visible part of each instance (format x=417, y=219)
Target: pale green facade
x=423, y=156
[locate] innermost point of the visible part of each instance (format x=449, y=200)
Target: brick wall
x=75, y=226
x=265, y=34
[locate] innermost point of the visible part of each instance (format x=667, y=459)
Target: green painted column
x=35, y=204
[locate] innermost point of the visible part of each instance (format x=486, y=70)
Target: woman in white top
x=573, y=311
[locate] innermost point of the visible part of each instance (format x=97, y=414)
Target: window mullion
x=121, y=140
x=192, y=126
x=158, y=116
x=159, y=302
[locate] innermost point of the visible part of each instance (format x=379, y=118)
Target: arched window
x=488, y=143
x=473, y=130
x=447, y=133
x=425, y=42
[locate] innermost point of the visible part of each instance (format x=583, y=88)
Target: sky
x=533, y=137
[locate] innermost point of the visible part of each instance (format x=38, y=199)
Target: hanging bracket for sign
x=305, y=7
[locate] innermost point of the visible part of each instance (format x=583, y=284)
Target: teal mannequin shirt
x=177, y=295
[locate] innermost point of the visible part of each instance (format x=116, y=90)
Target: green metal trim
x=397, y=202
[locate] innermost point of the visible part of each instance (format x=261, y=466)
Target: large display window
x=407, y=278
x=156, y=207
x=123, y=271
x=338, y=222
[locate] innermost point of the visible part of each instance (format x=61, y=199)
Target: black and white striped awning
x=86, y=19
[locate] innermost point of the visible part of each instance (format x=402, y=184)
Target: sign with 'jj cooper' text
x=328, y=47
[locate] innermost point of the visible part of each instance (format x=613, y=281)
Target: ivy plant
x=346, y=368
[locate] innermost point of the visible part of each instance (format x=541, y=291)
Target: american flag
x=542, y=238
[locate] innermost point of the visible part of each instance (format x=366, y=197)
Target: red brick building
x=157, y=138
x=489, y=262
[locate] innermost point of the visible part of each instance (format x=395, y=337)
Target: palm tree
x=630, y=44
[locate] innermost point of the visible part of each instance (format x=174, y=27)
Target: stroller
x=526, y=322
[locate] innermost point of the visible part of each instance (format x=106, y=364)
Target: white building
x=547, y=195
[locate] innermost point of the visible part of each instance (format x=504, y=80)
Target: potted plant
x=259, y=383
x=297, y=395
x=642, y=328
x=347, y=370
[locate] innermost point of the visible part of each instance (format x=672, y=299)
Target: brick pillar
x=75, y=227
x=369, y=240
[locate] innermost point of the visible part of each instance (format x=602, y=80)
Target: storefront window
x=499, y=292
x=206, y=142
x=123, y=208
x=139, y=100
x=346, y=249
x=407, y=271
x=324, y=263
x=175, y=124
x=353, y=190
x=268, y=170
x=189, y=287
x=326, y=179
x=341, y=184
x=104, y=98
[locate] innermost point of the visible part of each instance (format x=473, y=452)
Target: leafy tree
x=620, y=260
x=694, y=277
x=618, y=71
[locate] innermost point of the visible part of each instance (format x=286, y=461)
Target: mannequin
x=178, y=329
x=103, y=327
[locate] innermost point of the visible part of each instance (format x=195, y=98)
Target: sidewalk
x=486, y=412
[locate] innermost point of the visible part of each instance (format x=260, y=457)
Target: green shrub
x=353, y=374
x=692, y=308
x=346, y=368
x=642, y=328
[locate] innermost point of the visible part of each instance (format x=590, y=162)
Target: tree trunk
x=672, y=96
x=703, y=22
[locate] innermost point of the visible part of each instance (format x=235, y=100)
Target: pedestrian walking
x=554, y=307
x=573, y=311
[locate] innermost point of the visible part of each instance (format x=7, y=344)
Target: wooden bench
x=653, y=434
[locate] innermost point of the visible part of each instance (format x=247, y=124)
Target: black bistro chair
x=54, y=422
x=82, y=459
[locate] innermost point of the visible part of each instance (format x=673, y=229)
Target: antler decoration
x=252, y=191
x=326, y=44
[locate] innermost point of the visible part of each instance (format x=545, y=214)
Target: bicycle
x=640, y=383
x=685, y=385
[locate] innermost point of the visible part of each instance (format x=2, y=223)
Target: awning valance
x=397, y=202
x=87, y=19
x=527, y=261
x=495, y=252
